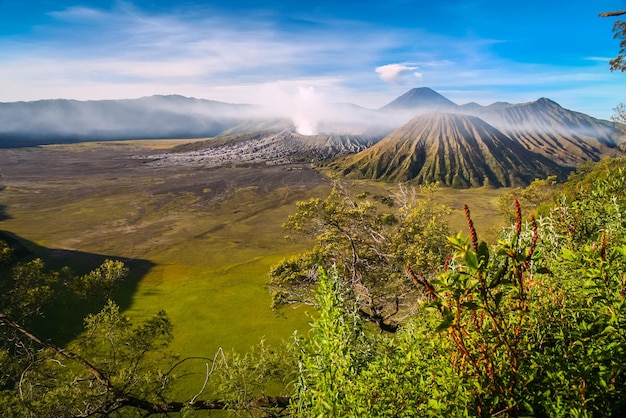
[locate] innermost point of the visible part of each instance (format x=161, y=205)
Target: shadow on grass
x=63, y=321
x=3, y=211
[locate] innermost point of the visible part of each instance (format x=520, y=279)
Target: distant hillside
x=259, y=125
x=53, y=121
x=543, y=126
x=452, y=150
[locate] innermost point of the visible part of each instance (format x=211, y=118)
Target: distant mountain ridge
x=62, y=120
x=471, y=145
x=543, y=126
x=420, y=136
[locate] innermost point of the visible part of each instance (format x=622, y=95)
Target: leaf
x=568, y=254
x=528, y=407
x=609, y=330
x=445, y=324
x=471, y=305
x=497, y=299
x=483, y=253
x=471, y=260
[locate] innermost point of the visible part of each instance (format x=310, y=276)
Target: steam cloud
x=308, y=111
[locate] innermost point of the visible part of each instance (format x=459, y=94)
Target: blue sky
x=364, y=52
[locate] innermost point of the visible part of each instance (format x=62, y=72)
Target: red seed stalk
x=472, y=230
x=446, y=263
x=518, y=218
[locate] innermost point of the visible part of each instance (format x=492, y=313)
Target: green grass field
x=209, y=258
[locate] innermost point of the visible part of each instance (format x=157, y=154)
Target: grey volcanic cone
x=422, y=98
x=452, y=150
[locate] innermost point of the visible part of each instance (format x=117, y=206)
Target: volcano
x=452, y=150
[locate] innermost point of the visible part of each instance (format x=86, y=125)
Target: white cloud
x=391, y=73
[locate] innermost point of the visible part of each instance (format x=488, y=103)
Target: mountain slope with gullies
x=451, y=150
x=542, y=126
x=565, y=136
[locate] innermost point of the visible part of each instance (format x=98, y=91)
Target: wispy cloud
x=129, y=47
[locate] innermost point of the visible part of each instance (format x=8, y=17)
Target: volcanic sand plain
x=199, y=242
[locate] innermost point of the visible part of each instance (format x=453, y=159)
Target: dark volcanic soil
x=88, y=169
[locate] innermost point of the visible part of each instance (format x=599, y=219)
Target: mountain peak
x=544, y=101
x=420, y=98
x=494, y=104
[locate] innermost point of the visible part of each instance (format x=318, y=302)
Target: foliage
x=533, y=326
x=248, y=384
x=332, y=355
x=346, y=371
x=618, y=63
x=5, y=253
x=100, y=282
x=114, y=367
x=27, y=288
x=110, y=364
x=535, y=200
x=619, y=27
x=369, y=246
x=592, y=202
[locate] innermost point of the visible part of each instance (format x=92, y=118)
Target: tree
x=112, y=368
x=369, y=244
x=619, y=114
x=618, y=63
x=619, y=27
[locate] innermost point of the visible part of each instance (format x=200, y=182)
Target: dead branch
x=613, y=14
x=100, y=377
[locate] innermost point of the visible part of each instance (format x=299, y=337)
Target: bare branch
x=613, y=14
x=65, y=353
x=209, y=372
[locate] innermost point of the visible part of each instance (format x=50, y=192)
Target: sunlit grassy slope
x=210, y=257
